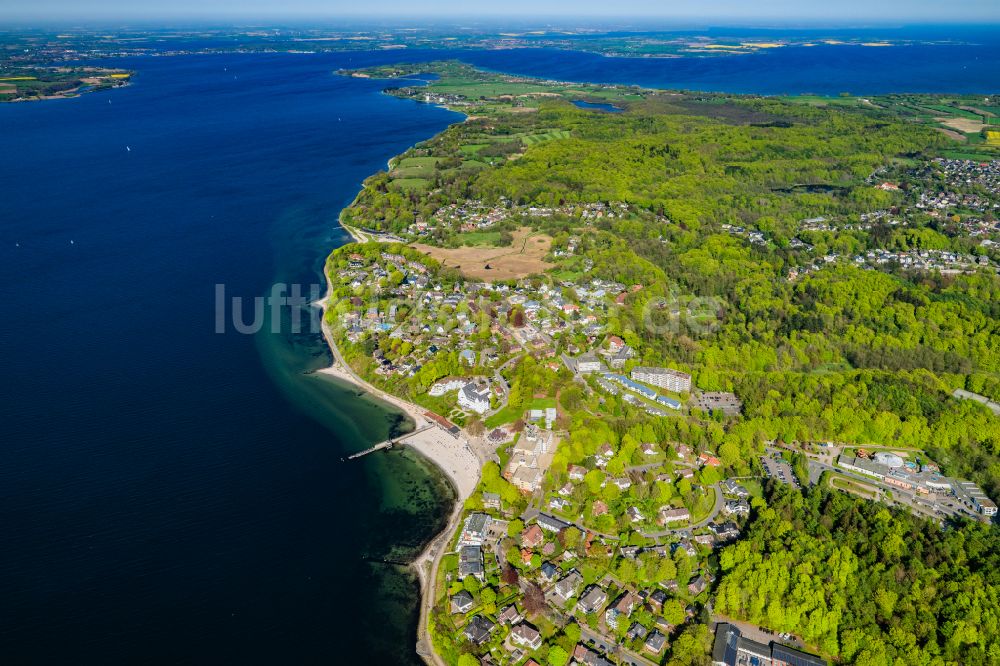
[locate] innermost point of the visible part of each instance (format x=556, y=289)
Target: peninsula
x=670, y=326
x=28, y=84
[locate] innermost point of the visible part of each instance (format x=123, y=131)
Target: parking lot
x=779, y=469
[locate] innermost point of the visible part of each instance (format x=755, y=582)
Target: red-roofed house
x=708, y=460
x=532, y=536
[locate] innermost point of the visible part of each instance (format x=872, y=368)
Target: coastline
x=455, y=456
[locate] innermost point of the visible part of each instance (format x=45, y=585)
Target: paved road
x=611, y=648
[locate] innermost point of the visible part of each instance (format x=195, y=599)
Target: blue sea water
x=171, y=495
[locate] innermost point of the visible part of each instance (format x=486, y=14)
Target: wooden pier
x=389, y=443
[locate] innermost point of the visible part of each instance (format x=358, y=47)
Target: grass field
x=472, y=149
x=853, y=487
x=475, y=89
x=983, y=156
x=415, y=167
x=954, y=111
x=411, y=184
x=963, y=124
x=490, y=238
x=524, y=257
x=543, y=403
x=532, y=139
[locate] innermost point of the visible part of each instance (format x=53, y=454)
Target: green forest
x=864, y=583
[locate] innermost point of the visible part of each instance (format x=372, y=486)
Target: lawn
x=703, y=506
x=442, y=404
x=506, y=415
x=542, y=403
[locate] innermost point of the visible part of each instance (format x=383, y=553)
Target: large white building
x=666, y=378
x=474, y=397
x=442, y=387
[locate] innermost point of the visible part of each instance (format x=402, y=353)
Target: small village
x=474, y=214
x=611, y=548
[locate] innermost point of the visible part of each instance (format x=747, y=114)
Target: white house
x=471, y=396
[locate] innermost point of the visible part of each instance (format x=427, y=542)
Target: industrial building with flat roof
x=732, y=648
x=924, y=482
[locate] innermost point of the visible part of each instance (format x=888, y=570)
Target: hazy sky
x=841, y=11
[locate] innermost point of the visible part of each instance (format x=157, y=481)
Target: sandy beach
x=452, y=454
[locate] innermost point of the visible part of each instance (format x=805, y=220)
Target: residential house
x=559, y=503
x=566, y=587
x=470, y=562
x=708, y=460
x=584, y=655
x=592, y=600
x=604, y=455
x=726, y=531
x=576, y=472
x=698, y=585
x=733, y=487
x=737, y=507
x=532, y=536
x=461, y=602
x=636, y=632
x=491, y=500
x=526, y=635
x=474, y=530
x=623, y=607
x=510, y=615
x=478, y=630
x=550, y=524
x=655, y=642
x=599, y=508
x=670, y=515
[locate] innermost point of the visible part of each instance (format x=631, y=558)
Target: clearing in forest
x=524, y=257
